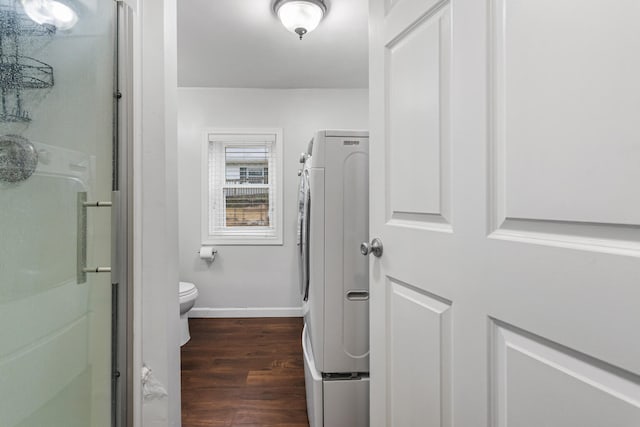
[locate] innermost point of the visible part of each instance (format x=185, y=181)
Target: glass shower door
x=56, y=134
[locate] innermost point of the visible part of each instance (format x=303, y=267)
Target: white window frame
x=252, y=235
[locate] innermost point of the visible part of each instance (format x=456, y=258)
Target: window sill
x=243, y=241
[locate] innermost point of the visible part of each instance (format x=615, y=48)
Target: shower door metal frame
x=122, y=219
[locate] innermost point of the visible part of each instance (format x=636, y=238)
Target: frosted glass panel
x=56, y=110
x=32, y=268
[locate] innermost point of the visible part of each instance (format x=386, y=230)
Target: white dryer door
x=302, y=247
x=299, y=247
x=304, y=227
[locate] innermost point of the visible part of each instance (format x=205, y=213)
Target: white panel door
x=505, y=171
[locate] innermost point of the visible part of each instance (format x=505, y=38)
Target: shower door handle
x=81, y=250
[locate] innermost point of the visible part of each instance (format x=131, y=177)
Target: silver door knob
x=299, y=172
x=374, y=248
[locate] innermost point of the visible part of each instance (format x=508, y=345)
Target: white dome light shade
x=50, y=12
x=300, y=16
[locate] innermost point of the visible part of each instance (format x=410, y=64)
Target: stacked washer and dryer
x=333, y=219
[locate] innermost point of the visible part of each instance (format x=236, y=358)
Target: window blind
x=242, y=188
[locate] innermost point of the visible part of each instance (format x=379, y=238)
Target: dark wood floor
x=244, y=372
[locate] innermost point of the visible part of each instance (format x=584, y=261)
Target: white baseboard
x=205, y=312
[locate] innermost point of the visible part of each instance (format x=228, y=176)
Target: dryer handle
x=358, y=295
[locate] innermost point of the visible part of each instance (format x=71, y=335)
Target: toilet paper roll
x=207, y=253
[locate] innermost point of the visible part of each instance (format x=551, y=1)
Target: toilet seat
x=187, y=290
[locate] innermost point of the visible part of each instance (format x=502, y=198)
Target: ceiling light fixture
x=300, y=16
x=52, y=12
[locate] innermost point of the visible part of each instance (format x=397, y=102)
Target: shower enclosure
x=58, y=173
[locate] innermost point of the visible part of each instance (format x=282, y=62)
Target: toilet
x=188, y=295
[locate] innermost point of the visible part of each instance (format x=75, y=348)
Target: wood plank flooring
x=244, y=373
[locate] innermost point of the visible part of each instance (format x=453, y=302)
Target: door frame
x=154, y=306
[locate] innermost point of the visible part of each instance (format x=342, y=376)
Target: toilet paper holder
x=207, y=253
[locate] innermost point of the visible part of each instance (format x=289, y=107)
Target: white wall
x=254, y=277
x=156, y=199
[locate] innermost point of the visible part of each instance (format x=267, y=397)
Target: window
x=242, y=187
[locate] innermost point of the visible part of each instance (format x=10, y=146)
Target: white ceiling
x=241, y=43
